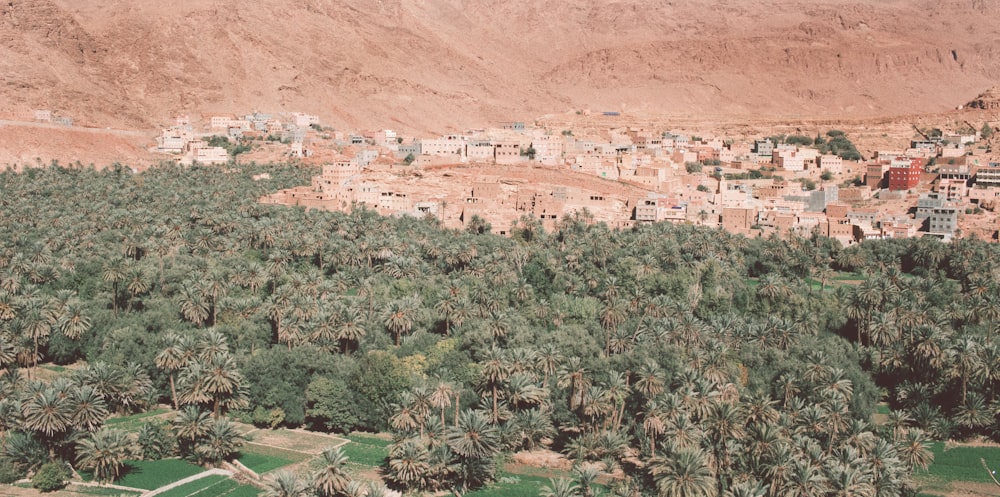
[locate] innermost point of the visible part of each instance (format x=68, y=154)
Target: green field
x=150, y=475
x=133, y=422
x=960, y=464
x=261, y=458
x=366, y=450
x=512, y=486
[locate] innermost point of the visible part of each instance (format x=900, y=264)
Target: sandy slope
x=427, y=65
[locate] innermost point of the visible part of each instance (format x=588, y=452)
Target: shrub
x=826, y=176
x=50, y=477
x=702, y=188
x=9, y=472
x=692, y=167
x=799, y=140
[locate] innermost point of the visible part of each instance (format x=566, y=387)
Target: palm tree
x=192, y=303
x=35, y=324
x=574, y=376
x=409, y=463
x=171, y=359
x=963, y=357
x=804, y=480
x=113, y=272
x=972, y=412
x=221, y=440
x=190, y=424
x=494, y=372
x=49, y=411
x=475, y=441
x=398, y=318
x=73, y=323
x=653, y=424
x=684, y=473
x=548, y=361
x=650, y=382
x=105, y=452
x=89, y=408
x=214, y=285
x=222, y=381
x=351, y=328
x=332, y=479
x=441, y=397
x=915, y=449
x=285, y=484
x=560, y=487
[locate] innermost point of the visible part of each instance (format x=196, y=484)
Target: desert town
x=943, y=183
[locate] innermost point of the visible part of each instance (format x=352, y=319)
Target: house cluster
x=47, y=116
x=632, y=175
x=188, y=144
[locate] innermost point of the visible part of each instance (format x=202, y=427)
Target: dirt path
x=191, y=478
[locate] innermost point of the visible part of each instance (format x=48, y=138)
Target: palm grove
x=691, y=362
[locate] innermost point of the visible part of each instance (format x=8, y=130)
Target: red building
x=904, y=173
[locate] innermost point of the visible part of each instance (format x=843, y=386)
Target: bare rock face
x=428, y=65
x=988, y=100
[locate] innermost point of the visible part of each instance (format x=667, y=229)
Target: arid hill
x=428, y=65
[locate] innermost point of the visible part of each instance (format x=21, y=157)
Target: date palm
x=171, y=359
x=114, y=272
x=35, y=324
x=408, y=463
x=398, y=316
x=685, y=473
x=105, y=452
x=350, y=329
x=332, y=479
x=285, y=484
x=547, y=362
x=220, y=441
x=560, y=487
x=73, y=322
x=89, y=409
x=190, y=424
x=914, y=449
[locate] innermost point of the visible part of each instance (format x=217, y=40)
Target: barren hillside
x=426, y=65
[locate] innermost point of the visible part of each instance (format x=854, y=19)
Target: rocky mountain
x=427, y=65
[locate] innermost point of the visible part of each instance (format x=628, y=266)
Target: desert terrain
x=434, y=66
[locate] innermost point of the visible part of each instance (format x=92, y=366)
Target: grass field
x=133, y=422
x=509, y=486
x=262, y=458
x=365, y=450
x=150, y=475
x=261, y=463
x=960, y=464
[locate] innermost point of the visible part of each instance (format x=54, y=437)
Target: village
x=942, y=183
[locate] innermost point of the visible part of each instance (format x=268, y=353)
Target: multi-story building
x=904, y=173
x=763, y=148
x=927, y=203
x=943, y=221
x=989, y=175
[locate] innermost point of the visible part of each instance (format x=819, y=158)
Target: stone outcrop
x=988, y=100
